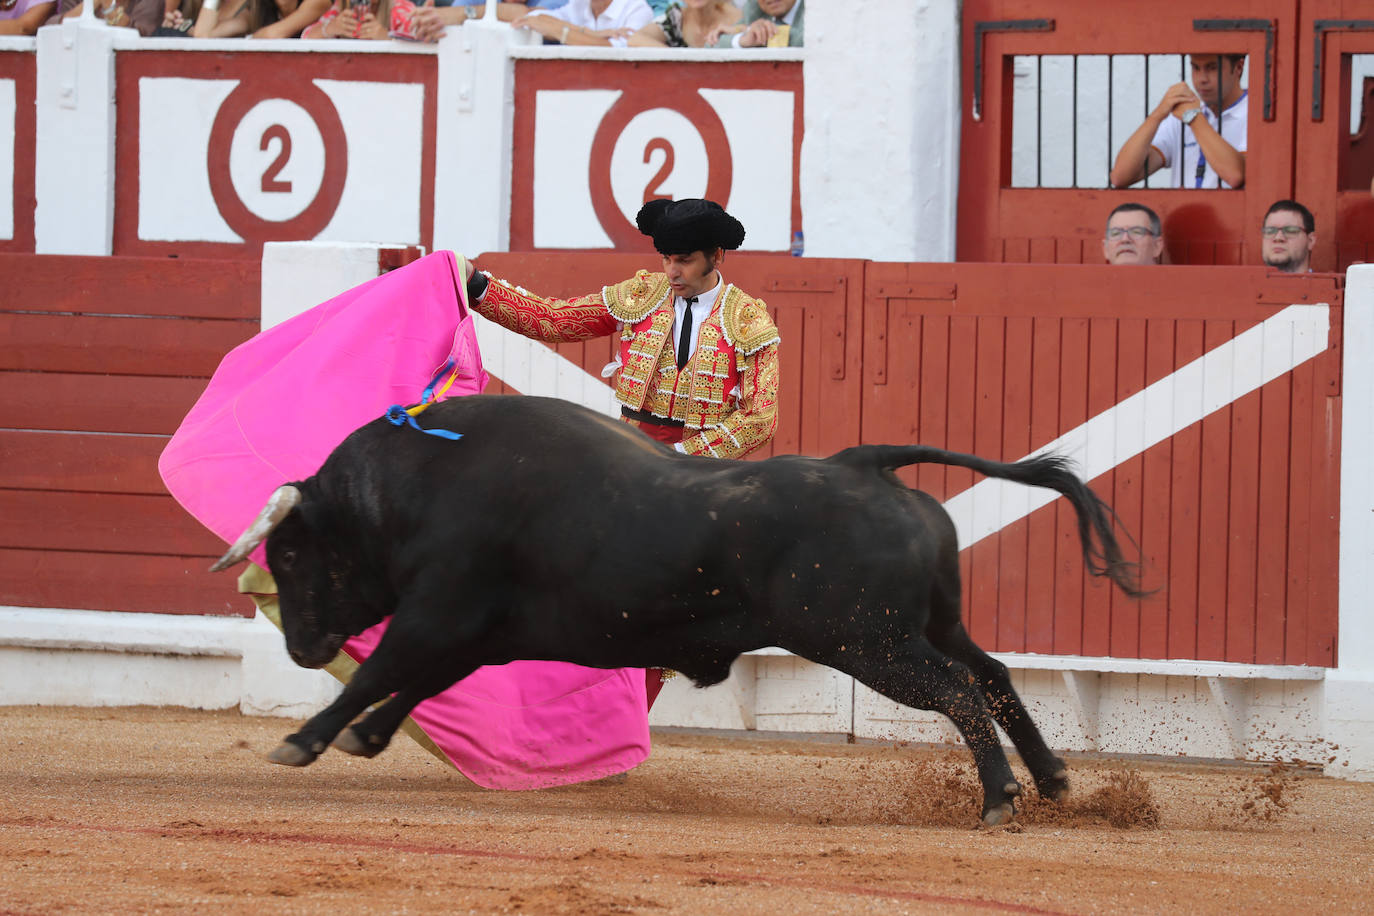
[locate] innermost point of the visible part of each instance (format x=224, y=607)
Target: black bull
x=551, y=532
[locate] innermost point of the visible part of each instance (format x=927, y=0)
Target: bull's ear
x=279, y=505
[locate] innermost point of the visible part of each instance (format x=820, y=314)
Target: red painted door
x=1335, y=157
x=1002, y=218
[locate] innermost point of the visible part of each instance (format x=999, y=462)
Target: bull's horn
x=278, y=505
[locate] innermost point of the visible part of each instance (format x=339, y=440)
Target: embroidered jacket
x=727, y=394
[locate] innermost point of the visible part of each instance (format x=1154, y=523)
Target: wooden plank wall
x=1236, y=515
x=100, y=358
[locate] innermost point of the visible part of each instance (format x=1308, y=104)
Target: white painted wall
x=8, y=136
x=880, y=155
x=878, y=169
x=1349, y=706
x=74, y=146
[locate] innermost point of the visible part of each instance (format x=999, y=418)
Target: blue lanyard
x=1201, y=156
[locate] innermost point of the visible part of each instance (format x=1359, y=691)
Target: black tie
x=684, y=337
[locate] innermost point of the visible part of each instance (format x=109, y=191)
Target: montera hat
x=685, y=226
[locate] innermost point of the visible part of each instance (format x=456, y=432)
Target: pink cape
x=274, y=410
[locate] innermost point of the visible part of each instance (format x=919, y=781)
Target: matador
x=697, y=358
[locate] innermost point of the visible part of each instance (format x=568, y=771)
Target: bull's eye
x=288, y=559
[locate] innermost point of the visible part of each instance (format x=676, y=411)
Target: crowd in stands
x=619, y=23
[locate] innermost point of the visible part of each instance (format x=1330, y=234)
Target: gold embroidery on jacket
x=646, y=349
x=632, y=300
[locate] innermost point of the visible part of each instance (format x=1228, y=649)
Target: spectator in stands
x=1288, y=237
x=1213, y=145
x=143, y=15
x=369, y=19
x=252, y=18
x=178, y=18
x=430, y=22
x=1134, y=236
x=589, y=22
x=23, y=17
x=687, y=24
x=765, y=24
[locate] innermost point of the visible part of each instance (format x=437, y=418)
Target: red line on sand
x=215, y=833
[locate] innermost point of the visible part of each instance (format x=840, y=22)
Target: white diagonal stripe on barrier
x=1219, y=377
x=534, y=368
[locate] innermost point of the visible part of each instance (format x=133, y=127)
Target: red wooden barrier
x=1236, y=515
x=100, y=358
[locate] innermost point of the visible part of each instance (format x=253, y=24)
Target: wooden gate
x=1335, y=159
x=1208, y=419
x=999, y=222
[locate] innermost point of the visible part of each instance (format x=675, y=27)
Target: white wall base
x=104, y=658
x=1115, y=706
x=1349, y=725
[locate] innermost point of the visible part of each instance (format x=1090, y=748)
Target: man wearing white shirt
x=1198, y=132
x=697, y=358
x=589, y=22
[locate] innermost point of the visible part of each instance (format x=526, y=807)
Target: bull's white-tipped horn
x=278, y=505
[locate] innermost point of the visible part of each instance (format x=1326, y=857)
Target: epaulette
x=630, y=301
x=748, y=328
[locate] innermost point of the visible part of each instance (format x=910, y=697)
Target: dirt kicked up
x=163, y=810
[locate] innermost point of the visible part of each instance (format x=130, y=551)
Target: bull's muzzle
x=279, y=505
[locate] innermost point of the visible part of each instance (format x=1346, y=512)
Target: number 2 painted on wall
x=270, y=182
x=654, y=189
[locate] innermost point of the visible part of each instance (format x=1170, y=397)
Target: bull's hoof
x=1055, y=787
x=292, y=755
x=995, y=814
x=350, y=742
x=998, y=815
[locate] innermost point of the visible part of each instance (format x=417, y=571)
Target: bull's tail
x=1101, y=552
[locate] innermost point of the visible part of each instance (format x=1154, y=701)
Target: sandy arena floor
x=170, y=810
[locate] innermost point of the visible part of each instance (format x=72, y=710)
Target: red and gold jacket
x=727, y=394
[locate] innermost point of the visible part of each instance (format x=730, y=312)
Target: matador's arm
x=550, y=320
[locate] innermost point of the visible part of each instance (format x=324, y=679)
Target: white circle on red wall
x=659, y=153
x=276, y=160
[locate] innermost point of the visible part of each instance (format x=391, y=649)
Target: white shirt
x=1233, y=129
x=700, y=310
x=621, y=14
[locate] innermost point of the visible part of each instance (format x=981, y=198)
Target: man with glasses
x=1289, y=237
x=1133, y=236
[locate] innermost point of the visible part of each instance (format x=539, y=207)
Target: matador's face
x=691, y=274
